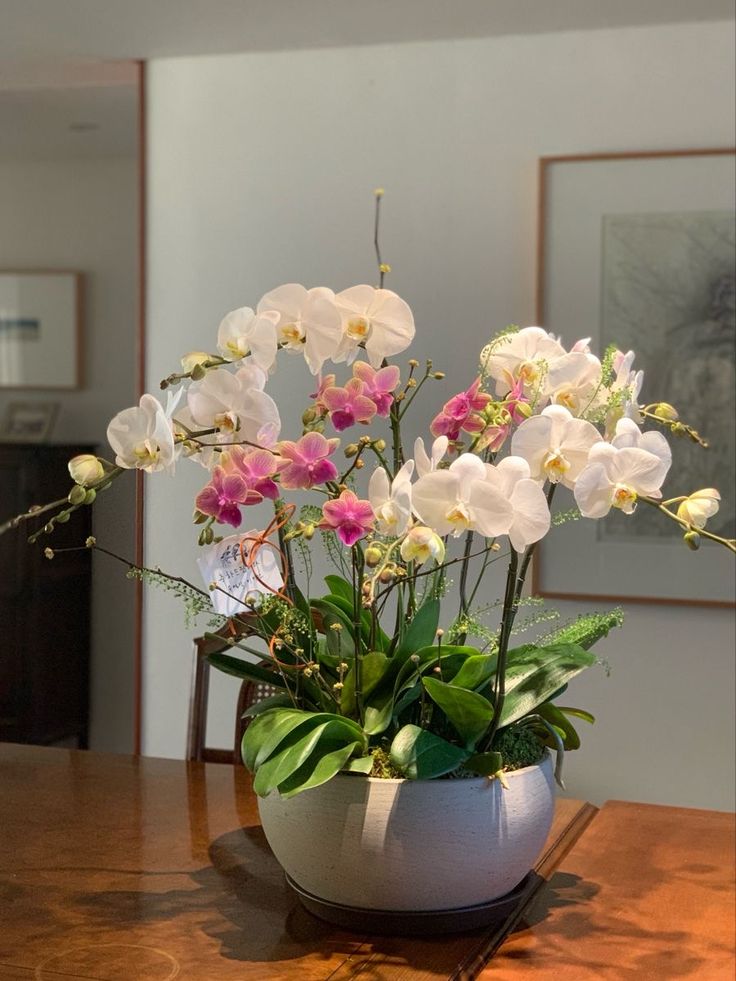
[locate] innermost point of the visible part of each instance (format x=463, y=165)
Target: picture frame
x=41, y=326
x=637, y=249
x=28, y=422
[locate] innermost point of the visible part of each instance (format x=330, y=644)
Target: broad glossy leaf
x=476, y=670
x=339, y=642
x=246, y=670
x=373, y=667
x=298, y=746
x=273, y=701
x=484, y=764
x=359, y=764
x=535, y=673
x=266, y=731
x=421, y=755
x=318, y=769
x=577, y=713
x=339, y=587
x=550, y=713
x=469, y=712
x=422, y=629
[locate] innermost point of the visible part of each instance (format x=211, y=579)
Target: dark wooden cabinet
x=44, y=604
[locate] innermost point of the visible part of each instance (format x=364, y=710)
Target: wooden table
x=121, y=869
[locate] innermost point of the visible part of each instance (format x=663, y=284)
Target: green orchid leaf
x=379, y=710
x=320, y=767
x=359, y=764
x=476, y=670
x=273, y=701
x=267, y=730
x=373, y=667
x=299, y=745
x=245, y=670
x=469, y=712
x=421, y=755
x=339, y=587
x=534, y=674
x=421, y=631
x=484, y=764
x=565, y=729
x=339, y=643
x=577, y=713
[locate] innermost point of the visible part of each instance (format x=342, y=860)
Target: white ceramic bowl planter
x=412, y=845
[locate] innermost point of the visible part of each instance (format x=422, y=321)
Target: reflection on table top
x=115, y=868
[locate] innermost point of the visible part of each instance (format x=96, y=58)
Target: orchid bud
x=666, y=412
x=85, y=470
x=195, y=359
x=373, y=555
x=699, y=506
x=379, y=444
x=351, y=450
x=523, y=409
x=309, y=416
x=89, y=497
x=692, y=540
x=76, y=495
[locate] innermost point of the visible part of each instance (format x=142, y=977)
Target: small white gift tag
x=222, y=564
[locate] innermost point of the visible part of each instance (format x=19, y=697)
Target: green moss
x=519, y=747
x=383, y=767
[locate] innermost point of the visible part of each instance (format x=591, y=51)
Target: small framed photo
x=40, y=329
x=638, y=250
x=28, y=422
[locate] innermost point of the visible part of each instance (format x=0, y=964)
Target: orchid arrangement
x=376, y=676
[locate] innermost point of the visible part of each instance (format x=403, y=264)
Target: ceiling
x=68, y=84
x=39, y=30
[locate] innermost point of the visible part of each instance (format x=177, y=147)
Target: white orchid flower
x=572, y=381
x=243, y=333
x=421, y=544
x=379, y=319
x=428, y=464
x=524, y=355
x=628, y=434
x=309, y=323
x=235, y=403
x=555, y=444
x=699, y=507
x=143, y=437
x=531, y=519
x=461, y=499
x=622, y=394
x=391, y=503
x=616, y=477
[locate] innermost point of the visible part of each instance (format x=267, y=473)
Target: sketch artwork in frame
x=639, y=250
x=40, y=329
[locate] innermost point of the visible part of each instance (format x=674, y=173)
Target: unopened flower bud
x=413, y=363
x=388, y=574
x=699, y=506
x=439, y=375
x=49, y=553
x=411, y=383
x=692, y=540
x=198, y=518
x=308, y=531
x=63, y=516
x=76, y=495
x=198, y=372
x=90, y=542
x=384, y=267
x=373, y=555
x=665, y=411
x=194, y=360
x=309, y=416
x=379, y=444
x=351, y=450
x=359, y=464
x=523, y=409
x=85, y=470
x=89, y=497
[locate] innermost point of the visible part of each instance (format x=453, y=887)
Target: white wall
x=261, y=168
x=81, y=214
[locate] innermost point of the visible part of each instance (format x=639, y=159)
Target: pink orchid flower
x=379, y=385
x=514, y=399
x=461, y=412
x=257, y=468
x=348, y=405
x=221, y=497
x=327, y=382
x=350, y=517
x=304, y=463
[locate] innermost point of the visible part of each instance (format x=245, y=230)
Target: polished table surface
x=121, y=869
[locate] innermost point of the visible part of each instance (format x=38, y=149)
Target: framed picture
x=28, y=422
x=40, y=329
x=638, y=250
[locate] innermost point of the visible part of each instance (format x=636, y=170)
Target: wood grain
x=647, y=893
x=116, y=867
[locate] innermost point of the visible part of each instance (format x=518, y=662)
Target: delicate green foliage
x=484, y=764
x=587, y=629
x=563, y=517
x=421, y=630
x=194, y=600
x=422, y=755
x=373, y=667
